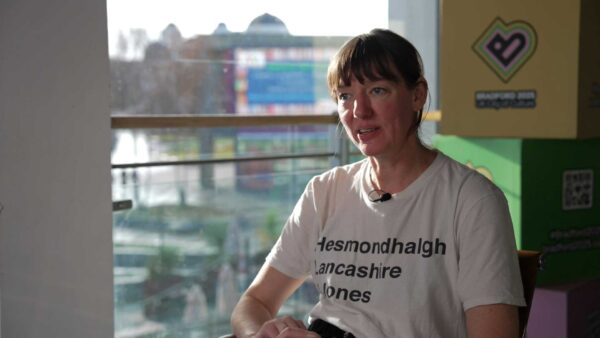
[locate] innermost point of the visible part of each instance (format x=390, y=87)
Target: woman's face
x=377, y=115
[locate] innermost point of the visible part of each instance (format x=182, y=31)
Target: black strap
x=327, y=330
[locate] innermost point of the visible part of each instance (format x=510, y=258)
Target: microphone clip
x=377, y=195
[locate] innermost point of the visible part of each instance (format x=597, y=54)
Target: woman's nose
x=362, y=107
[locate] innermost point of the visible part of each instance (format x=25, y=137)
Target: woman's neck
x=395, y=174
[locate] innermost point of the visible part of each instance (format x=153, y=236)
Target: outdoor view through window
x=207, y=203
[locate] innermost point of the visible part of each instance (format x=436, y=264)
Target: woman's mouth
x=366, y=130
x=364, y=135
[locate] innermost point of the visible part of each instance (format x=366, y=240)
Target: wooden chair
x=529, y=264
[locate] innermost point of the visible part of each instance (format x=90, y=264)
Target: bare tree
x=122, y=46
x=139, y=39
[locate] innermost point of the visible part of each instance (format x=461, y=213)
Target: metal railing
x=227, y=121
x=235, y=121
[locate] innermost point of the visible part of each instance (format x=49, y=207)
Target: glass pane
x=186, y=57
x=189, y=247
x=198, y=233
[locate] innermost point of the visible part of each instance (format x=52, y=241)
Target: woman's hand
x=284, y=327
x=254, y=315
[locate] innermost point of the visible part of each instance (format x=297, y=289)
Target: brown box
x=520, y=68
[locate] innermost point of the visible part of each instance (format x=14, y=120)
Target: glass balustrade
x=201, y=223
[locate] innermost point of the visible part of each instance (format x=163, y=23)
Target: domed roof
x=221, y=29
x=267, y=24
x=171, y=37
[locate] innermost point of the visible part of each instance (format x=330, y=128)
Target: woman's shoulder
x=326, y=189
x=341, y=173
x=468, y=179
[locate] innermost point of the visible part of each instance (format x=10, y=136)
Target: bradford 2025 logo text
x=506, y=47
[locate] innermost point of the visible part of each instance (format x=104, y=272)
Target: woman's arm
x=490, y=285
x=492, y=321
x=261, y=302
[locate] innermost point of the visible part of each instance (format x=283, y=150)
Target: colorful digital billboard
x=282, y=81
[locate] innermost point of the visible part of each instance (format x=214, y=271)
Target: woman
x=405, y=243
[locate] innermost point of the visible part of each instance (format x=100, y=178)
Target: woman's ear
x=420, y=94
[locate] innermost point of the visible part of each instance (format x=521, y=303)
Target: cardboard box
x=552, y=191
x=566, y=311
x=520, y=68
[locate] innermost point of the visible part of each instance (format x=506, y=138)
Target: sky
x=302, y=17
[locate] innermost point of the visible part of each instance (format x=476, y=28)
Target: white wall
x=55, y=229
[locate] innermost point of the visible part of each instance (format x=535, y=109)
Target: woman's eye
x=343, y=96
x=378, y=91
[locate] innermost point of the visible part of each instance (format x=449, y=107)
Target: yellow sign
x=520, y=69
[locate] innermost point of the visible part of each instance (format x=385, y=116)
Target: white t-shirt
x=408, y=267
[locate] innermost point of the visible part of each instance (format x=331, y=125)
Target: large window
x=206, y=180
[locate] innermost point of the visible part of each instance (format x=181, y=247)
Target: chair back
x=529, y=264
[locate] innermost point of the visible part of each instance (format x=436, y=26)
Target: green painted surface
x=569, y=235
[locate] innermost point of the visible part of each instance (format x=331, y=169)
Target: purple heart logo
x=506, y=47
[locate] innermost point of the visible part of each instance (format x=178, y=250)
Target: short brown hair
x=379, y=54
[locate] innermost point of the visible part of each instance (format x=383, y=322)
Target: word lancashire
x=422, y=247
x=361, y=271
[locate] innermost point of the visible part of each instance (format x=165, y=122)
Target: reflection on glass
x=226, y=73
